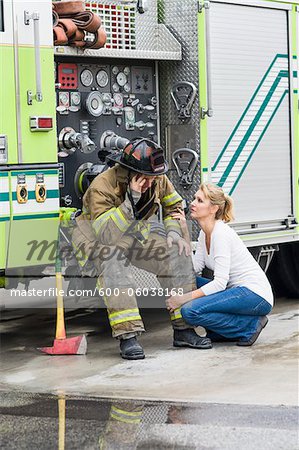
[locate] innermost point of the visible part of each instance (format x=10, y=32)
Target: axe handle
x=60, y=326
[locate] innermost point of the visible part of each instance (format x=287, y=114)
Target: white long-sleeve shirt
x=232, y=264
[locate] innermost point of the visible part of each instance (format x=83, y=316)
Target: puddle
x=46, y=421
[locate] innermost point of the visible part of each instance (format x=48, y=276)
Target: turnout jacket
x=111, y=215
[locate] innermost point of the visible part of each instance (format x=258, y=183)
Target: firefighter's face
x=148, y=182
x=201, y=207
x=145, y=181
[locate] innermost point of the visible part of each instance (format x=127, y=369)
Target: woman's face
x=201, y=207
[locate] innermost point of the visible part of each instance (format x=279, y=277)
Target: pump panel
x=94, y=100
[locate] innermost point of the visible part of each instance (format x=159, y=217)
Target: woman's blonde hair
x=218, y=197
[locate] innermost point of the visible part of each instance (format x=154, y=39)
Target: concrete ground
x=265, y=374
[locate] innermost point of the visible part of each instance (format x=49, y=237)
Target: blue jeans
x=233, y=314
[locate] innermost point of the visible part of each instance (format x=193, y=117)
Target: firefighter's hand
x=137, y=183
x=175, y=238
x=180, y=216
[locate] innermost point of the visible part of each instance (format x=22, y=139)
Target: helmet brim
x=116, y=159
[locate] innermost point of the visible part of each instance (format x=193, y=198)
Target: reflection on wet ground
x=38, y=421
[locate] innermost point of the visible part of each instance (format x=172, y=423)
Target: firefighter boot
x=131, y=349
x=189, y=338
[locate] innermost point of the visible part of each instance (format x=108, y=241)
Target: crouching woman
x=232, y=306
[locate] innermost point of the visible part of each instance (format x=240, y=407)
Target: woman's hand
x=180, y=216
x=176, y=301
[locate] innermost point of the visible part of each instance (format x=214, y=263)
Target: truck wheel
x=284, y=270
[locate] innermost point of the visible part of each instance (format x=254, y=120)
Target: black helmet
x=143, y=156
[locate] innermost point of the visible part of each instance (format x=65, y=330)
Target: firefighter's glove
x=174, y=238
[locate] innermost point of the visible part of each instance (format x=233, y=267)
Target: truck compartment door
x=8, y=122
x=34, y=48
x=249, y=134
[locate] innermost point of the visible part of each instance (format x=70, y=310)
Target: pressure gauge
x=118, y=100
x=115, y=87
x=95, y=104
x=64, y=98
x=102, y=78
x=115, y=70
x=86, y=77
x=127, y=87
x=75, y=98
x=129, y=112
x=121, y=79
x=129, y=118
x=126, y=70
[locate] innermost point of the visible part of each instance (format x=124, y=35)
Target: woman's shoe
x=263, y=322
x=215, y=337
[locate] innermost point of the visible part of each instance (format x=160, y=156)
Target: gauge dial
x=86, y=77
x=115, y=87
x=75, y=98
x=115, y=70
x=102, y=78
x=118, y=99
x=121, y=79
x=126, y=70
x=94, y=104
x=127, y=87
x=130, y=114
x=64, y=98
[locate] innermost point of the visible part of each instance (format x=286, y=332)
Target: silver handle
x=265, y=229
x=35, y=17
x=208, y=111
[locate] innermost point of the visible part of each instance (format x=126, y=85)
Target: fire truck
x=214, y=82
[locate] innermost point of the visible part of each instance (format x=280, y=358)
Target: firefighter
x=123, y=426
x=121, y=205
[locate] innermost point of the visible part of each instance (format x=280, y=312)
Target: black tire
x=283, y=272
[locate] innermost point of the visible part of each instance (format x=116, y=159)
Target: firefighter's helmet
x=143, y=156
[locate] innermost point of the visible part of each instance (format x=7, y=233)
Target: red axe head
x=70, y=346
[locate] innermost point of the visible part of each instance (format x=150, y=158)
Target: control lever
x=65, y=109
x=62, y=109
x=73, y=108
x=183, y=94
x=185, y=161
x=141, y=108
x=69, y=141
x=141, y=125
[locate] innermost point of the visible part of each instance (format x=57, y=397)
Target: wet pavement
x=224, y=398
x=56, y=422
x=265, y=374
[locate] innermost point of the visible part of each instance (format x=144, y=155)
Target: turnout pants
x=116, y=280
x=123, y=427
